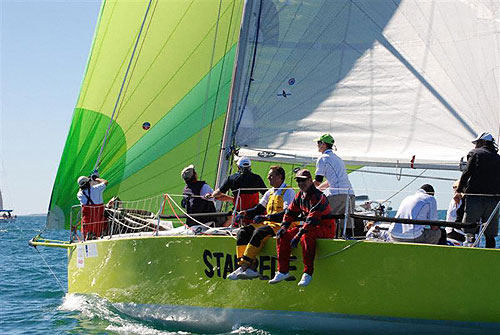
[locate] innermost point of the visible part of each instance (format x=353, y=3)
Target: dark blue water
x=32, y=301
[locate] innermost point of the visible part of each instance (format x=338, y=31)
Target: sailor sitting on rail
x=312, y=204
x=251, y=238
x=194, y=200
x=419, y=206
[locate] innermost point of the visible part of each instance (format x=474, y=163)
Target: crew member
x=244, y=185
x=419, y=206
x=312, y=204
x=194, y=200
x=337, y=187
x=252, y=238
x=90, y=196
x=480, y=181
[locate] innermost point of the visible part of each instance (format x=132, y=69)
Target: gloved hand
x=259, y=218
x=295, y=241
x=94, y=175
x=240, y=216
x=281, y=232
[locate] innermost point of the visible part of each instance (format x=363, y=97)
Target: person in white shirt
x=452, y=215
x=90, y=197
x=419, y=206
x=337, y=187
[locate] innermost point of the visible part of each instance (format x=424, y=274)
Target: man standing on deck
x=336, y=187
x=419, y=206
x=312, y=204
x=90, y=197
x=245, y=186
x=480, y=181
x=194, y=200
x=252, y=238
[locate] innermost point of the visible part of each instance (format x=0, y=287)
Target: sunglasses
x=320, y=142
x=300, y=180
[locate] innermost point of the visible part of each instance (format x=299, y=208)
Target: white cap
x=484, y=137
x=187, y=172
x=244, y=162
x=82, y=180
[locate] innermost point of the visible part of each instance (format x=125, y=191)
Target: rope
x=411, y=182
x=339, y=251
x=192, y=218
x=98, y=161
x=53, y=274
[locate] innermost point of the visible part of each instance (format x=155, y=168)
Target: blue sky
x=44, y=48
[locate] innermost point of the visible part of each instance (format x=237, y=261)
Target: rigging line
x=53, y=274
x=124, y=101
x=111, y=153
x=214, y=111
x=402, y=174
x=207, y=89
x=122, y=85
x=159, y=53
x=179, y=68
x=401, y=190
x=235, y=130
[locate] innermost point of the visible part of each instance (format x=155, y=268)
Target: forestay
x=391, y=80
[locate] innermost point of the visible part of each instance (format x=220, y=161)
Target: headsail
x=158, y=81
x=391, y=80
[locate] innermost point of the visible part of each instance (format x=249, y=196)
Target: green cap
x=325, y=138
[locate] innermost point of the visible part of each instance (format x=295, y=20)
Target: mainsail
x=393, y=81
x=153, y=99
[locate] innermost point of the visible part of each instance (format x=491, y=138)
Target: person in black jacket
x=480, y=181
x=194, y=200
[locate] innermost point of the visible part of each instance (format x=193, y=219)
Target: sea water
x=33, y=285
x=33, y=301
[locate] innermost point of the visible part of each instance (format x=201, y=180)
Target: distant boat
x=403, y=84
x=5, y=214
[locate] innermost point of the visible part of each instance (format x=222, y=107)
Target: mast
x=240, y=86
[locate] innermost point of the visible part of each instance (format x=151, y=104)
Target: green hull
x=367, y=280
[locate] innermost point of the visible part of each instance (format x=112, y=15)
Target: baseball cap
x=82, y=180
x=244, y=162
x=428, y=189
x=325, y=138
x=188, y=172
x=484, y=137
x=303, y=174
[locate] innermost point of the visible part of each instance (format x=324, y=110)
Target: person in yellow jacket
x=266, y=216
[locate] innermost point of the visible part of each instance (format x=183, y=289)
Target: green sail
x=152, y=63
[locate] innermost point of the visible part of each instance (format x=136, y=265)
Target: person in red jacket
x=312, y=204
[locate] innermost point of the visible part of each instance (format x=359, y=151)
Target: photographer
x=90, y=196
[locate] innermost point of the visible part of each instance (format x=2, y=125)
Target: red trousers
x=308, y=243
x=93, y=220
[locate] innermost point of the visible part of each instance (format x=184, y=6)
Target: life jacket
x=194, y=204
x=244, y=201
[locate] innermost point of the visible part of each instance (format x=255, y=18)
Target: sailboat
x=404, y=84
x=5, y=214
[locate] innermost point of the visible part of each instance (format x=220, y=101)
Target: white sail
x=389, y=79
